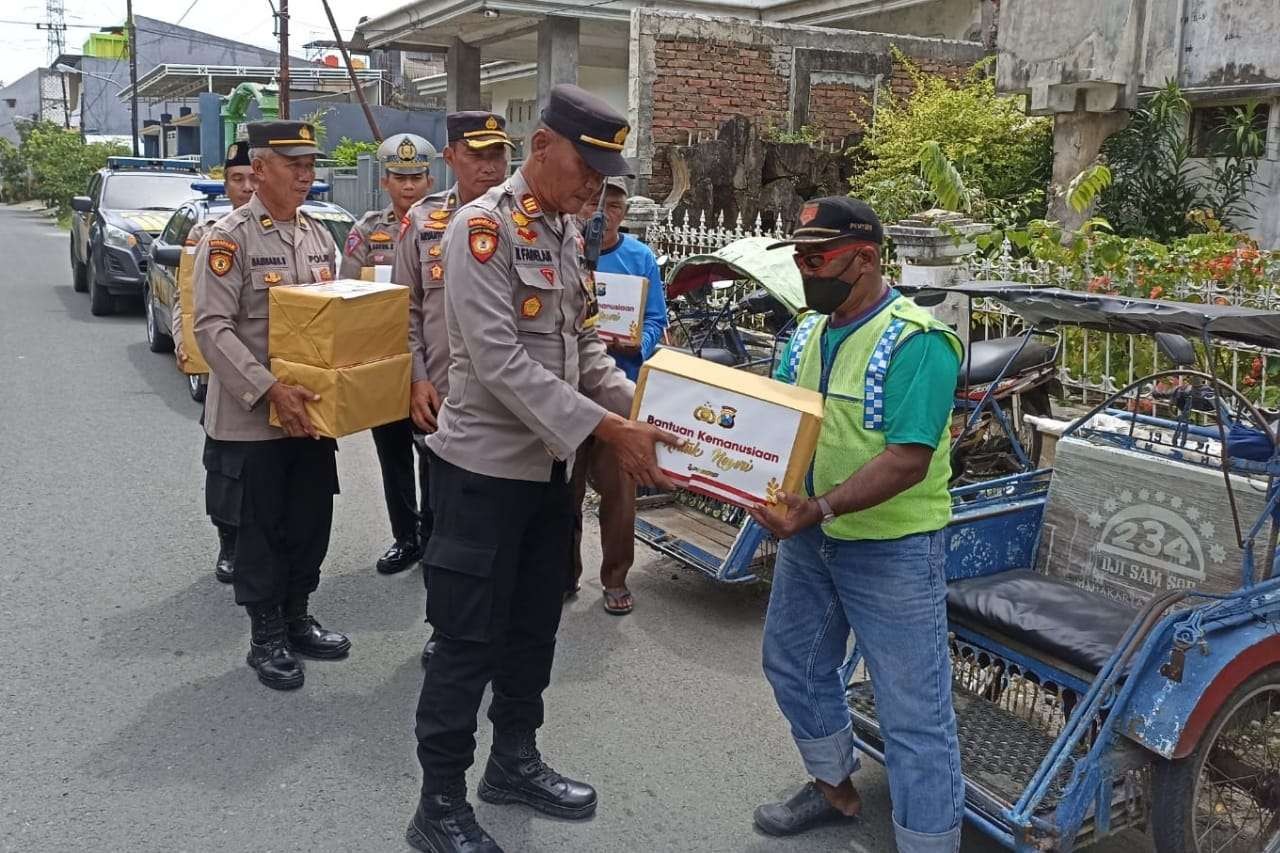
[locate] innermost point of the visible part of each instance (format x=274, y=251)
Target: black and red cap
x=836, y=217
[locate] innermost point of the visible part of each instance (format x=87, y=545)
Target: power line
x=188, y=12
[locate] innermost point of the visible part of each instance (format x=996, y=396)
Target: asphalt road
x=129, y=721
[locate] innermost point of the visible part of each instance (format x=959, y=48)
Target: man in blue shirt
x=623, y=254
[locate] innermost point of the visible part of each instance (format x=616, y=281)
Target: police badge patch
x=354, y=239
x=221, y=256
x=482, y=238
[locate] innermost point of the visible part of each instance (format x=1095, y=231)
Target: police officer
x=529, y=380
x=278, y=481
x=406, y=161
x=477, y=152
x=238, y=183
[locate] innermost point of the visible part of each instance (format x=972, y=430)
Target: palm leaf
x=943, y=177
x=1087, y=186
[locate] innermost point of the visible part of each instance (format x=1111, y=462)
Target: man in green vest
x=862, y=549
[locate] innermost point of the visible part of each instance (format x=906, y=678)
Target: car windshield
x=147, y=191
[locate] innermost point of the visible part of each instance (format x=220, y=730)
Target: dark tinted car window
x=174, y=231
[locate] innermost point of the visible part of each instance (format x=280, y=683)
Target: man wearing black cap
x=862, y=550
x=477, y=153
x=406, y=178
x=282, y=478
x=529, y=380
x=238, y=183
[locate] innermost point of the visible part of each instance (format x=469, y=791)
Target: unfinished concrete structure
x=1086, y=61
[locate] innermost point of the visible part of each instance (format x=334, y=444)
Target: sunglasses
x=814, y=261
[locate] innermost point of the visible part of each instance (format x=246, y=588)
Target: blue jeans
x=892, y=595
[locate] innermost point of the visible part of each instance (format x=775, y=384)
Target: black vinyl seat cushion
x=985, y=359
x=1046, y=613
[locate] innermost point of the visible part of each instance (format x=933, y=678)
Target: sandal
x=619, y=601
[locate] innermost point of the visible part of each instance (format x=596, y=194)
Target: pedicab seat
x=986, y=359
x=1048, y=614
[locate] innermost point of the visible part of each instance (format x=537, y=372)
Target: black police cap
x=478, y=129
x=237, y=155
x=836, y=217
x=595, y=129
x=290, y=138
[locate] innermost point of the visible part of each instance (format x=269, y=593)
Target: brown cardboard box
x=338, y=323
x=195, y=363
x=381, y=272
x=747, y=437
x=622, y=300
x=353, y=398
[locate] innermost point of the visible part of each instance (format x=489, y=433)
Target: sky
x=25, y=47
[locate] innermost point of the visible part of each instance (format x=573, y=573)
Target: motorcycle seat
x=986, y=359
x=714, y=354
x=1048, y=614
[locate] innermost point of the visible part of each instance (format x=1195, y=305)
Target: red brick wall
x=902, y=85
x=837, y=110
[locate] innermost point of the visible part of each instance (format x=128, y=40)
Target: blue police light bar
x=153, y=164
x=213, y=189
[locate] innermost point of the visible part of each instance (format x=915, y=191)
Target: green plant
x=14, y=180
x=60, y=163
x=1087, y=186
x=944, y=181
x=316, y=119
x=1003, y=157
x=1156, y=185
x=347, y=150
x=806, y=135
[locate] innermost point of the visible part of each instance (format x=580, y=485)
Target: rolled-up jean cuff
x=831, y=759
x=910, y=841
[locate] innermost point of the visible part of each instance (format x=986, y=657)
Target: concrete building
x=37, y=95
x=1086, y=61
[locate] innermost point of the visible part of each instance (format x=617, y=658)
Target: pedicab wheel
x=1225, y=796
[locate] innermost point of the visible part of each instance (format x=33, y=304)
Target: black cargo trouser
x=494, y=592
x=281, y=492
x=394, y=443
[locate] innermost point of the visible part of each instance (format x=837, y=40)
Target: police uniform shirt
x=244, y=255
x=194, y=236
x=371, y=242
x=521, y=320
x=419, y=264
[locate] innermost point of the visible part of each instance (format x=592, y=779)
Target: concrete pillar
x=930, y=246
x=462, y=69
x=557, y=54
x=1077, y=139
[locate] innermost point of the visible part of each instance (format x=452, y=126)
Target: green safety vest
x=852, y=431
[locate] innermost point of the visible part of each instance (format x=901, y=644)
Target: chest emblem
x=528, y=235
x=435, y=251
x=437, y=272
x=520, y=219
x=549, y=274
x=219, y=261
x=325, y=275
x=531, y=307
x=435, y=226
x=530, y=205
x=380, y=237
x=439, y=215
x=482, y=238
x=272, y=278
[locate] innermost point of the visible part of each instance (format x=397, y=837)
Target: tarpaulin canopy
x=1048, y=306
x=747, y=258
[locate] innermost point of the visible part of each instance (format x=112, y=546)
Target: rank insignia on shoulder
x=520, y=219
x=354, y=238
x=437, y=272
x=435, y=251
x=531, y=308
x=266, y=221
x=272, y=278
x=482, y=238
x=439, y=215
x=530, y=205
x=528, y=235
x=549, y=274
x=220, y=261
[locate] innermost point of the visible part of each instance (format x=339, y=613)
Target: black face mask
x=825, y=295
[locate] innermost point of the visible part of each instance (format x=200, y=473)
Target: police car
x=128, y=202
x=160, y=288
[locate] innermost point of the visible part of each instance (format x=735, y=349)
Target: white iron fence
x=1091, y=364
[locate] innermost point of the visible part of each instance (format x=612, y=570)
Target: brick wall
x=838, y=111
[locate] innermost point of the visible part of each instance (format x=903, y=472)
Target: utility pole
x=355, y=81
x=284, y=58
x=56, y=25
x=133, y=76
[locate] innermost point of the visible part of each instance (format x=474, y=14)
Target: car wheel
x=197, y=386
x=79, y=275
x=157, y=341
x=101, y=303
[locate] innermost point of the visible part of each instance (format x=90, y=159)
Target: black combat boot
x=225, y=569
x=269, y=654
x=445, y=823
x=307, y=638
x=516, y=773
x=402, y=554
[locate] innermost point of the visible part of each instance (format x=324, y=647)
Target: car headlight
x=119, y=237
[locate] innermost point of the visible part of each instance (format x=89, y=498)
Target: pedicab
x=739, y=306
x=1123, y=672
